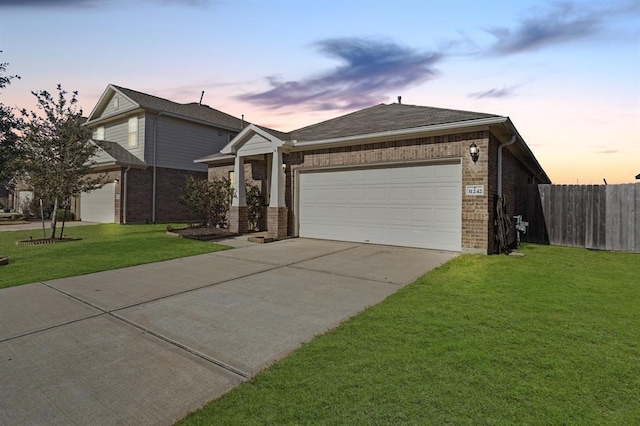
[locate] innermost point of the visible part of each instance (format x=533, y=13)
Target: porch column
x=277, y=213
x=238, y=214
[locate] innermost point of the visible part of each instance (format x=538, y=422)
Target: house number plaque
x=474, y=189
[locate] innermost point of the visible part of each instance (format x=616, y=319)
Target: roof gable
x=255, y=140
x=105, y=107
x=138, y=100
x=384, y=118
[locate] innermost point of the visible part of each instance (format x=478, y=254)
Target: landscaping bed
x=202, y=233
x=32, y=242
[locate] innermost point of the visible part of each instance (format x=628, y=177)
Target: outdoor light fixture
x=284, y=168
x=474, y=151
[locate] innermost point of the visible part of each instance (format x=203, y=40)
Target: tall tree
x=9, y=125
x=58, y=152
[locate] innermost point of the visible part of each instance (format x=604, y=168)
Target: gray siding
x=181, y=142
x=118, y=132
x=123, y=105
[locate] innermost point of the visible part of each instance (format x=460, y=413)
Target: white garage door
x=99, y=205
x=416, y=206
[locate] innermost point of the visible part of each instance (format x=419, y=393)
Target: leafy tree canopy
x=9, y=125
x=58, y=151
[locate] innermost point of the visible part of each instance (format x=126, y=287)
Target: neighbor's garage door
x=99, y=205
x=417, y=206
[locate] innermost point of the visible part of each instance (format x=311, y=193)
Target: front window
x=133, y=132
x=99, y=133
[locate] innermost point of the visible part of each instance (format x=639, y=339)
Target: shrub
x=60, y=215
x=255, y=206
x=208, y=200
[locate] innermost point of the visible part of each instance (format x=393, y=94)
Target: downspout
x=511, y=141
x=155, y=150
x=502, y=220
x=124, y=195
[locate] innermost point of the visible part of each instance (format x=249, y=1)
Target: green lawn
x=549, y=338
x=103, y=247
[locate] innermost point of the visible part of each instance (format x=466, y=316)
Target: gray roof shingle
x=119, y=153
x=191, y=110
x=382, y=118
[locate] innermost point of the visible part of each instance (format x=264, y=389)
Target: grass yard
x=103, y=247
x=549, y=338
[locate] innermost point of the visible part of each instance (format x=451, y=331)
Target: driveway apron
x=148, y=344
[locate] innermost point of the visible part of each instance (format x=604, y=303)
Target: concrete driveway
x=148, y=344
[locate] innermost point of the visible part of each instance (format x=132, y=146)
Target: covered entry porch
x=254, y=144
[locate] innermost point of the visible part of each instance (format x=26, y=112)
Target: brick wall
x=514, y=174
x=170, y=187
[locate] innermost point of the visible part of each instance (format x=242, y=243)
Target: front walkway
x=38, y=225
x=148, y=344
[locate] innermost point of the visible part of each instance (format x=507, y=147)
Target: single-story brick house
x=392, y=174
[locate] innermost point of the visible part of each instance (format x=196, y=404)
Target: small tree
x=9, y=125
x=208, y=200
x=57, y=151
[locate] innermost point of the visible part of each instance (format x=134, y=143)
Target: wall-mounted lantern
x=474, y=151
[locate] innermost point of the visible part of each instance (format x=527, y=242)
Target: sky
x=566, y=73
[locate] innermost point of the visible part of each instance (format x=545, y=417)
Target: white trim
x=215, y=158
x=277, y=189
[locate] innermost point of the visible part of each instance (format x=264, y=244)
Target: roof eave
x=532, y=164
x=394, y=134
x=111, y=164
x=115, y=116
x=215, y=159
x=138, y=109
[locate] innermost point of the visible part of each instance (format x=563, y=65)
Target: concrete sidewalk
x=148, y=344
x=38, y=225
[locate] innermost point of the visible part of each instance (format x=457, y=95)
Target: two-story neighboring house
x=147, y=149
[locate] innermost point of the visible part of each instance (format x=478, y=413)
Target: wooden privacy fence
x=605, y=217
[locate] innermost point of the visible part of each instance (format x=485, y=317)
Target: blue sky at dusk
x=565, y=72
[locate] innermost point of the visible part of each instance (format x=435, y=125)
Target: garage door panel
x=400, y=214
x=418, y=206
x=99, y=205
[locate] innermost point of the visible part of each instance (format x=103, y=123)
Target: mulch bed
x=45, y=241
x=202, y=233
x=4, y=260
